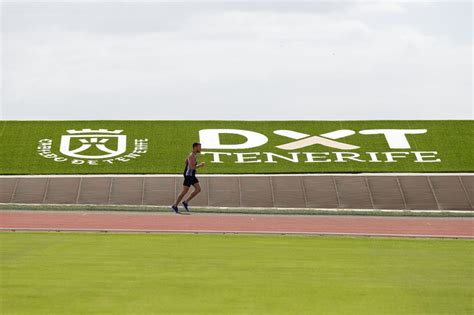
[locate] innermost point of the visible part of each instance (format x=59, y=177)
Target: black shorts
x=190, y=180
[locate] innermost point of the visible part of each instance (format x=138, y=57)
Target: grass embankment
x=169, y=142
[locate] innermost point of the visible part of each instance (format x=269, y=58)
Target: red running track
x=265, y=224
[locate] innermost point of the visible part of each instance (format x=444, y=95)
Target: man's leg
x=181, y=195
x=197, y=190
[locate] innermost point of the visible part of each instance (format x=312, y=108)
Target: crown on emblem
x=73, y=131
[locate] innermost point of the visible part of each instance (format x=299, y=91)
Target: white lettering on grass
x=421, y=156
x=248, y=157
x=293, y=158
x=392, y=155
x=344, y=156
x=216, y=156
x=396, y=138
x=317, y=157
x=373, y=157
x=304, y=140
x=321, y=157
x=210, y=139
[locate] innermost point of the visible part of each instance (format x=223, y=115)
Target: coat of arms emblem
x=93, y=144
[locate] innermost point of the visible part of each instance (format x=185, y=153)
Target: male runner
x=190, y=178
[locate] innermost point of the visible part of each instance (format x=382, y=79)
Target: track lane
x=259, y=224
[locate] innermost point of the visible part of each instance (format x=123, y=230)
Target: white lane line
x=12, y=197
x=238, y=175
x=401, y=193
x=79, y=190
x=433, y=192
x=337, y=191
x=465, y=192
x=235, y=232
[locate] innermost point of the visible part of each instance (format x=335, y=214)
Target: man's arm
x=192, y=162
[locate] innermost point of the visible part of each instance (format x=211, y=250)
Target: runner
x=190, y=178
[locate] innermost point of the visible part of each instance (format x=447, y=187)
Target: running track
x=259, y=224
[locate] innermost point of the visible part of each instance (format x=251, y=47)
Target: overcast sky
x=204, y=60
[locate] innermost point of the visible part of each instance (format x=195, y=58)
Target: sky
x=261, y=60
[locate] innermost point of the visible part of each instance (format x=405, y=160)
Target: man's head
x=196, y=147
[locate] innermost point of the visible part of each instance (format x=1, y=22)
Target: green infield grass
x=31, y=147
x=65, y=273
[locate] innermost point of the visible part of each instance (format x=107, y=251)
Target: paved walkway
x=438, y=192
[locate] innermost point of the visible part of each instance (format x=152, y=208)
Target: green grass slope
x=233, y=274
x=169, y=142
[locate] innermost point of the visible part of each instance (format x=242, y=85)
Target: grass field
x=233, y=274
x=169, y=142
